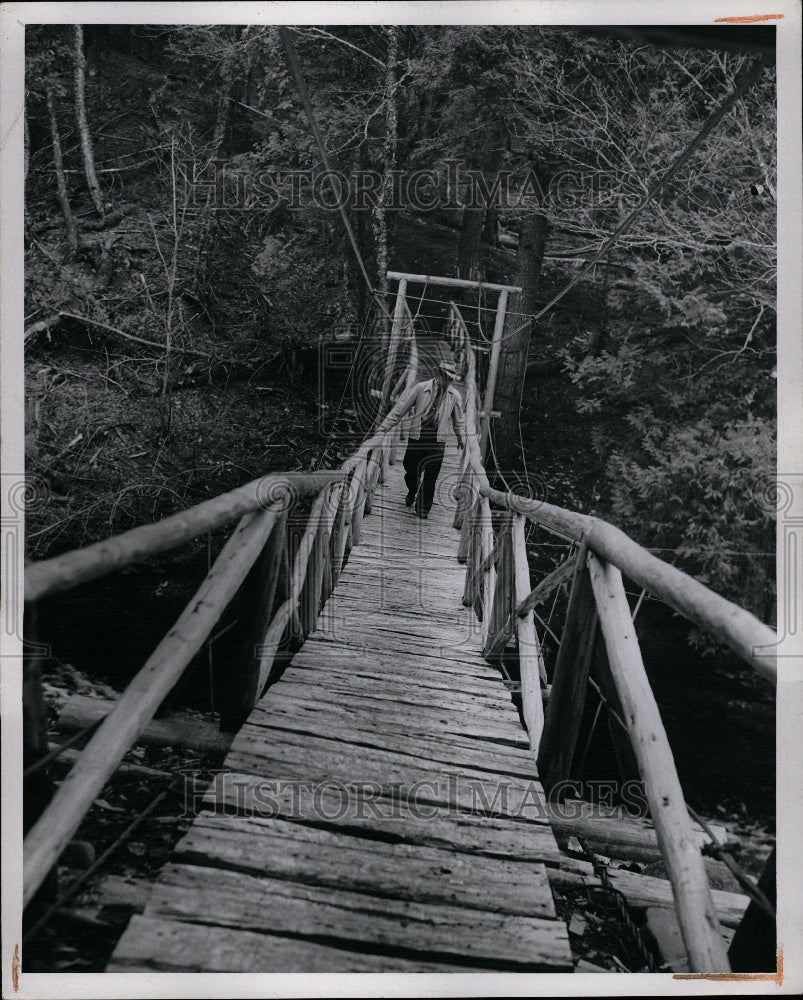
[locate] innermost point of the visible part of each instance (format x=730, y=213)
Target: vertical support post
x=531, y=661
x=697, y=916
x=237, y=691
x=493, y=367
x=471, y=529
x=360, y=475
x=502, y=598
x=463, y=500
x=489, y=573
x=567, y=698
x=395, y=334
x=338, y=538
x=310, y=598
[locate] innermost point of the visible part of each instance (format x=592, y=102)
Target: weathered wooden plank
x=423, y=660
x=405, y=718
x=415, y=675
x=440, y=592
x=369, y=642
x=396, y=624
x=407, y=701
x=455, y=754
x=388, y=544
x=349, y=919
x=369, y=560
x=153, y=945
x=412, y=672
x=336, y=860
x=503, y=595
x=363, y=808
x=397, y=689
x=235, y=692
x=463, y=788
x=411, y=605
x=364, y=723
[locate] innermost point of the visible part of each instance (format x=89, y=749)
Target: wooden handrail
x=606, y=552
x=749, y=638
x=258, y=505
x=698, y=919
x=137, y=705
x=739, y=629
x=428, y=279
x=81, y=565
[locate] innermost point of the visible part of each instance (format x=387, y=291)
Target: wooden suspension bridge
x=384, y=805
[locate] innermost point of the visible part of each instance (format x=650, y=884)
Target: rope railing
x=498, y=587
x=290, y=590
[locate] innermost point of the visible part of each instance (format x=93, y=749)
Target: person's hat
x=448, y=369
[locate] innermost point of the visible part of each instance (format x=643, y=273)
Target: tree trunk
x=61, y=180
x=490, y=232
x=380, y=221
x=476, y=216
x=83, y=128
x=223, y=104
x=516, y=341
x=470, y=262
x=26, y=142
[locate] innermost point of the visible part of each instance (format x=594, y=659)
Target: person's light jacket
x=450, y=411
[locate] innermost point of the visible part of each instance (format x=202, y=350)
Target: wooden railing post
x=496, y=347
x=463, y=499
x=358, y=511
x=531, y=661
x=236, y=691
x=698, y=918
x=341, y=532
x=468, y=517
x=310, y=598
x=502, y=597
x=472, y=528
x=567, y=697
x=488, y=577
x=395, y=334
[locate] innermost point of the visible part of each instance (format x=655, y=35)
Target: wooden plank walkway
x=380, y=810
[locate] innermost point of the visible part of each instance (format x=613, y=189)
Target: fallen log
x=70, y=755
x=643, y=891
x=617, y=834
x=174, y=730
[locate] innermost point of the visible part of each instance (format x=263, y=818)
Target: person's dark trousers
x=422, y=463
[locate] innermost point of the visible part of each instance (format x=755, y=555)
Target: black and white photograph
x=402, y=499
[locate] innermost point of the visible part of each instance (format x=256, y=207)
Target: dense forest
x=193, y=251
x=185, y=257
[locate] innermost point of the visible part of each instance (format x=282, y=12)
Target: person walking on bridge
x=434, y=405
